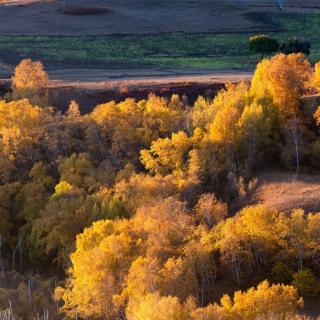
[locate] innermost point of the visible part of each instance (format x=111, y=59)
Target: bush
x=264, y=302
x=263, y=45
x=296, y=45
x=281, y=273
x=306, y=283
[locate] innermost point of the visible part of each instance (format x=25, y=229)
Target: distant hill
x=105, y=17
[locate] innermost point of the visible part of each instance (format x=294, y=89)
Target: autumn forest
x=127, y=212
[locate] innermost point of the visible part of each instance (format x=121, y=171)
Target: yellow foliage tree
x=29, y=81
x=167, y=155
x=254, y=131
x=209, y=210
x=21, y=128
x=316, y=76
x=283, y=78
x=155, y=307
x=250, y=238
x=116, y=263
x=73, y=111
x=265, y=301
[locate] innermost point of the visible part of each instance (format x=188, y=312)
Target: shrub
x=296, y=45
x=306, y=283
x=281, y=273
x=263, y=45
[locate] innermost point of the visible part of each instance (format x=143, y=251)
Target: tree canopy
x=139, y=208
x=262, y=44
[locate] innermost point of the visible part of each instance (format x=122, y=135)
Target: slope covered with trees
x=123, y=213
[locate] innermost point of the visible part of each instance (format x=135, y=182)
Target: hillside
x=202, y=35
x=284, y=192
x=105, y=17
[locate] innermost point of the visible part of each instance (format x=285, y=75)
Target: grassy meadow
x=173, y=50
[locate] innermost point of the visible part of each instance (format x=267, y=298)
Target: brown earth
x=97, y=17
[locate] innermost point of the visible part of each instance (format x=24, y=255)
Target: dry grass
x=285, y=191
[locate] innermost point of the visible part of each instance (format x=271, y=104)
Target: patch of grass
x=114, y=51
x=177, y=50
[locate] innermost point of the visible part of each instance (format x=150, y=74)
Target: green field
x=188, y=51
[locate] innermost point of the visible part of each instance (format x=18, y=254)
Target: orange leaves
x=21, y=125
x=280, y=300
x=284, y=78
x=167, y=155
x=316, y=76
x=29, y=75
x=264, y=302
x=117, y=263
x=29, y=80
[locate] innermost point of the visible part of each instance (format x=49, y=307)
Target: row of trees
x=151, y=181
x=263, y=44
